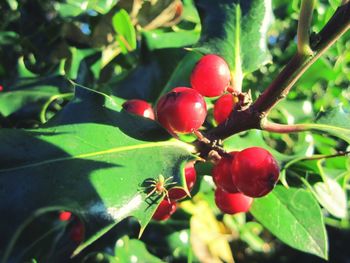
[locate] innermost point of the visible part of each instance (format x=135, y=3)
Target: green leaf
x=255, y=138
x=126, y=32
x=76, y=7
x=147, y=80
x=335, y=122
x=293, y=216
x=90, y=159
x=157, y=39
x=237, y=31
x=332, y=197
x=182, y=72
x=190, y=12
x=78, y=63
x=8, y=38
x=13, y=101
x=133, y=250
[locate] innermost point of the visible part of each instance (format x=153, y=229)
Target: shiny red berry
x=223, y=107
x=255, y=171
x=222, y=174
x=139, y=107
x=65, y=215
x=77, y=232
x=211, y=76
x=191, y=176
x=232, y=203
x=182, y=110
x=165, y=209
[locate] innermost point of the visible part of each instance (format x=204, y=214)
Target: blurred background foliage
x=129, y=49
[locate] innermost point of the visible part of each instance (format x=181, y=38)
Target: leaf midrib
x=99, y=153
x=237, y=66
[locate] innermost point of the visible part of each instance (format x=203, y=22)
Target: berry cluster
x=76, y=227
x=168, y=205
x=239, y=176
x=183, y=109
x=242, y=176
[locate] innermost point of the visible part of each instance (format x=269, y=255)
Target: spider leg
x=166, y=193
x=150, y=181
x=150, y=193
x=169, y=178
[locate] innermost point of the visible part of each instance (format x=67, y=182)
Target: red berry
x=211, y=76
x=223, y=107
x=254, y=171
x=139, y=107
x=191, y=176
x=222, y=174
x=77, y=232
x=65, y=215
x=164, y=210
x=182, y=110
x=1, y=88
x=232, y=203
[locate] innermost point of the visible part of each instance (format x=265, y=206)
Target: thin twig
x=280, y=87
x=305, y=18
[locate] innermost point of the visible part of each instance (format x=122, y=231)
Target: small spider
x=159, y=185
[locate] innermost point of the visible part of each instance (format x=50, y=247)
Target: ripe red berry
x=182, y=110
x=254, y=171
x=232, y=203
x=191, y=176
x=211, y=76
x=77, y=232
x=64, y=215
x=223, y=107
x=165, y=209
x=139, y=107
x=222, y=174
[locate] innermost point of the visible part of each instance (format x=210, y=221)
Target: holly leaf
x=181, y=74
x=293, y=216
x=236, y=30
x=93, y=159
x=335, y=122
x=29, y=97
x=149, y=77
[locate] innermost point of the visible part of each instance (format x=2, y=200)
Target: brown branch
x=280, y=87
x=254, y=117
x=283, y=128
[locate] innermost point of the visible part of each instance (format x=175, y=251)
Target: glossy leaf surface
x=89, y=159
x=294, y=216
x=236, y=30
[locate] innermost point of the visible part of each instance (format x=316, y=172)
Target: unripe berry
x=222, y=174
x=254, y=171
x=232, y=203
x=191, y=176
x=182, y=110
x=165, y=209
x=223, y=107
x=211, y=76
x=139, y=107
